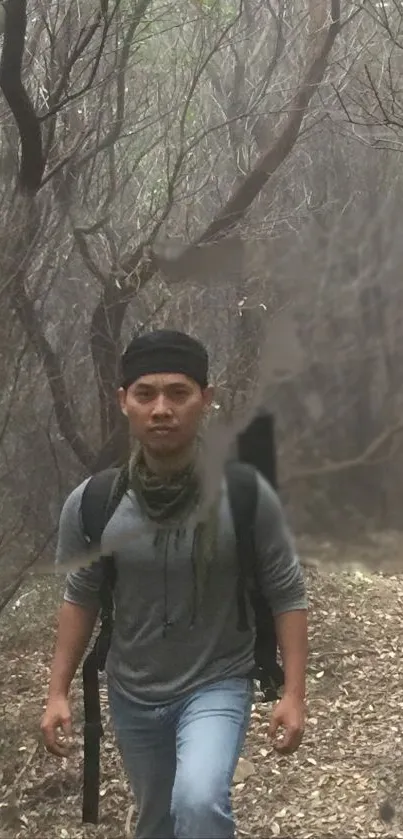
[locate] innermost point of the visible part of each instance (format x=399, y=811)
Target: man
x=178, y=669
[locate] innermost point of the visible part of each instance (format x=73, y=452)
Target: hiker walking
x=182, y=653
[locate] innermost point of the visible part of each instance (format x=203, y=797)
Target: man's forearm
x=292, y=635
x=76, y=624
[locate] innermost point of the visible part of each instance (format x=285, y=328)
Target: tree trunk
x=106, y=349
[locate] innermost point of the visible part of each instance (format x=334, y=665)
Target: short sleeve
x=83, y=570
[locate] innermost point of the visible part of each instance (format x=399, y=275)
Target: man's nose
x=161, y=407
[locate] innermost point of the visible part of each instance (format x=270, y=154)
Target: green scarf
x=169, y=501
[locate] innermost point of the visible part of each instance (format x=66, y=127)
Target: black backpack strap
x=256, y=446
x=242, y=493
x=95, y=504
x=93, y=732
x=243, y=497
x=101, y=496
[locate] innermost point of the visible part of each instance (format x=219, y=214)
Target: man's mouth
x=161, y=430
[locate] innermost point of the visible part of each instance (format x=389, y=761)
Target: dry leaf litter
x=345, y=781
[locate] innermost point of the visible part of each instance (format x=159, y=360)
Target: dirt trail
x=350, y=763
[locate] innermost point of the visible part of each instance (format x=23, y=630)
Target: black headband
x=165, y=351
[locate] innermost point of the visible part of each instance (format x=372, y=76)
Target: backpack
x=101, y=496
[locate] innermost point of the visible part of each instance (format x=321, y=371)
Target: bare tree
x=69, y=145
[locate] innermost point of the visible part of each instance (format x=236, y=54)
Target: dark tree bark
x=106, y=326
x=32, y=161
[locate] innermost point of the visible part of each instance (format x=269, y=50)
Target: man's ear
x=122, y=400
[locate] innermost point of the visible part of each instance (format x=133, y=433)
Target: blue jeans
x=180, y=758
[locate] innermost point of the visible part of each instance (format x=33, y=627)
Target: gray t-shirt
x=155, y=580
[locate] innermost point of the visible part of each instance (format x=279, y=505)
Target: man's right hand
x=56, y=721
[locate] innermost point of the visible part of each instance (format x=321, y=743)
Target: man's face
x=164, y=411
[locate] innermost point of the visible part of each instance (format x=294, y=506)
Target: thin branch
x=85, y=253
x=63, y=408
x=67, y=158
x=244, y=194
x=376, y=94
x=183, y=148
x=29, y=318
x=270, y=161
x=113, y=134
x=72, y=97
x=334, y=467
x=85, y=37
x=16, y=376
x=12, y=590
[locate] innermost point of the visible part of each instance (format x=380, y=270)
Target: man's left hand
x=289, y=714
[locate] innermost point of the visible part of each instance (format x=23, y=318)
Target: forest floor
x=351, y=761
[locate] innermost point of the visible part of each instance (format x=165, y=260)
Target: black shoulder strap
x=243, y=496
x=257, y=446
x=95, y=508
x=242, y=493
x=100, y=498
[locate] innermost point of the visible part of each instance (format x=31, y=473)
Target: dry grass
x=351, y=760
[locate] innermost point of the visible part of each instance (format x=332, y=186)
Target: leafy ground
x=350, y=764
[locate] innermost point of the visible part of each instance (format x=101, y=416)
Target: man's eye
x=143, y=395
x=180, y=394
